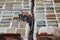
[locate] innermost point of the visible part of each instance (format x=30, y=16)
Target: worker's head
x=26, y=13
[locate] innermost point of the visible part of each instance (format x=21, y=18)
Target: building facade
x=47, y=17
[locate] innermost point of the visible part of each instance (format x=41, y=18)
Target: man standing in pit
x=20, y=15
x=28, y=19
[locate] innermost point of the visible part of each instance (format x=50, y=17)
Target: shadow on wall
x=10, y=37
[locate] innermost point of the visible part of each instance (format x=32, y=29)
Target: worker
x=28, y=19
x=25, y=15
x=20, y=16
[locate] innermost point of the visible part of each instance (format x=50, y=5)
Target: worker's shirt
x=20, y=15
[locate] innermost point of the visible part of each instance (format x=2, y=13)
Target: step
x=2, y=29
x=22, y=24
x=10, y=30
x=14, y=24
x=21, y=31
x=6, y=19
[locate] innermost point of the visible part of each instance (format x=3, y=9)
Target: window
x=57, y=4
x=9, y=6
x=39, y=16
x=48, y=3
x=26, y=1
x=58, y=15
x=39, y=2
x=41, y=23
x=39, y=9
x=50, y=16
x=53, y=23
x=26, y=6
x=18, y=1
x=16, y=13
x=49, y=10
x=2, y=1
x=57, y=9
x=10, y=1
x=7, y=14
x=17, y=6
